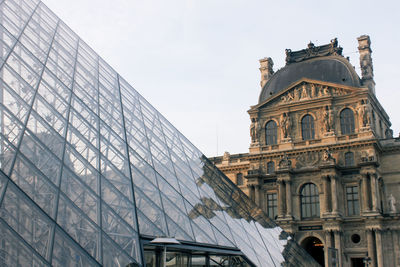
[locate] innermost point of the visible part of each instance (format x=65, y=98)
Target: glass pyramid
x=91, y=172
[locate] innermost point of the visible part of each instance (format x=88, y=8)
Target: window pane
x=307, y=127
x=271, y=133
x=352, y=200
x=347, y=121
x=309, y=201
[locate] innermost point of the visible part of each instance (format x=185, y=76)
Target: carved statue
x=392, y=203
x=288, y=55
x=326, y=91
x=328, y=119
x=226, y=156
x=327, y=156
x=285, y=124
x=290, y=96
x=296, y=94
x=254, y=130
x=313, y=91
x=364, y=114
x=304, y=91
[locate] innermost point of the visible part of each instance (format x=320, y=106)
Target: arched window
x=239, y=179
x=349, y=159
x=347, y=121
x=309, y=201
x=271, y=133
x=307, y=127
x=270, y=167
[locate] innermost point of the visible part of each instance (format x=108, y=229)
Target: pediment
x=306, y=90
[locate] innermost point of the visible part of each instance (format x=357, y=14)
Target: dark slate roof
x=333, y=68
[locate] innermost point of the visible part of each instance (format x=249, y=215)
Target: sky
x=196, y=61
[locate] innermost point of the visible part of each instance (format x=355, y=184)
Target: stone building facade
x=322, y=161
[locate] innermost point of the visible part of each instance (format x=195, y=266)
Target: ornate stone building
x=322, y=160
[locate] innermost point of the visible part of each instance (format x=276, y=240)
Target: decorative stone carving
x=326, y=91
x=226, y=156
x=313, y=91
x=392, y=203
x=254, y=130
x=304, y=92
x=307, y=91
x=327, y=157
x=285, y=125
x=285, y=162
x=368, y=156
x=328, y=120
x=349, y=243
x=364, y=114
x=313, y=51
x=308, y=160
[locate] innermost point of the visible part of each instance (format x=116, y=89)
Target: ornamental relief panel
x=309, y=159
x=306, y=91
x=355, y=238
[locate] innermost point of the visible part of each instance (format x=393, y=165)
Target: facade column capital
x=334, y=177
x=287, y=181
x=280, y=181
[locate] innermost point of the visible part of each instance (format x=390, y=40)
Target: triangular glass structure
x=91, y=172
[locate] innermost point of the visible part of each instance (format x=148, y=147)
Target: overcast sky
x=196, y=61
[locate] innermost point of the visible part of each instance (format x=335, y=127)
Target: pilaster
x=338, y=246
x=325, y=207
x=371, y=247
x=281, y=198
x=378, y=245
x=288, y=199
x=334, y=195
x=328, y=244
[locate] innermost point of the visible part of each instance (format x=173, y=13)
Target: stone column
x=281, y=198
x=334, y=195
x=365, y=193
x=373, y=192
x=371, y=247
x=288, y=199
x=328, y=244
x=338, y=246
x=326, y=194
x=379, y=253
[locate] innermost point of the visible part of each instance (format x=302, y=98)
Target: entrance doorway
x=315, y=248
x=357, y=262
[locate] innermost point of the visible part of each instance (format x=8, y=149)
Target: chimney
x=266, y=70
x=367, y=71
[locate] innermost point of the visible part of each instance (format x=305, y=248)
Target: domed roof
x=334, y=69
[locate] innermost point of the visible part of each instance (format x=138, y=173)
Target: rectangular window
x=272, y=205
x=353, y=206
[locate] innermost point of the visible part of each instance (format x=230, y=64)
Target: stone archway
x=315, y=248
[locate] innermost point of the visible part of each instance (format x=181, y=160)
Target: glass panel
x=35, y=184
x=14, y=252
x=25, y=219
x=67, y=253
x=120, y=232
x=113, y=255
x=39, y=155
x=78, y=226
